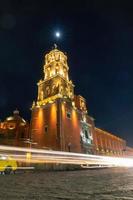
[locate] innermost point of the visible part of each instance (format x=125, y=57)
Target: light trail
x=49, y=156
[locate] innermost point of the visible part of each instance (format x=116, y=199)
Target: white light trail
x=49, y=156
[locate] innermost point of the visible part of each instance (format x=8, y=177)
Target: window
x=54, y=89
x=61, y=89
x=46, y=129
x=86, y=134
x=68, y=115
x=47, y=90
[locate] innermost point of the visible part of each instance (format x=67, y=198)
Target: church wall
x=129, y=151
x=108, y=144
x=44, y=126
x=70, y=128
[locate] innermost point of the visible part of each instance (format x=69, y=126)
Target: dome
x=11, y=118
x=15, y=118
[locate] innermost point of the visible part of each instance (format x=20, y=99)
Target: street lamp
x=69, y=146
x=30, y=142
x=28, y=154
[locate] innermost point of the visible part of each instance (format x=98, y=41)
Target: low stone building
x=106, y=143
x=14, y=130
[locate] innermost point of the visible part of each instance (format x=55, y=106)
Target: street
x=101, y=184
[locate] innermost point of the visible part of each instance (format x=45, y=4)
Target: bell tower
x=59, y=118
x=56, y=83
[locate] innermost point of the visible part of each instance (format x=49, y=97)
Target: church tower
x=59, y=118
x=56, y=83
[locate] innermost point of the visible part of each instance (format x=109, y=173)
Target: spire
x=55, y=46
x=16, y=112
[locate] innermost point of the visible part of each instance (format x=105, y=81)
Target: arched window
x=54, y=89
x=57, y=69
x=47, y=90
x=86, y=134
x=61, y=89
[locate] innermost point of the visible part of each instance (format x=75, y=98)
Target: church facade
x=60, y=119
x=14, y=130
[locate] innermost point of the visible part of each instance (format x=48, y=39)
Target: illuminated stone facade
x=106, y=143
x=14, y=130
x=56, y=83
x=59, y=117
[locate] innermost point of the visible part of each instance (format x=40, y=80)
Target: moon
x=57, y=34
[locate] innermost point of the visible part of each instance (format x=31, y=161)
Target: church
x=14, y=130
x=60, y=119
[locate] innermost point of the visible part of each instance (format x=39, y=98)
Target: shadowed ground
x=103, y=184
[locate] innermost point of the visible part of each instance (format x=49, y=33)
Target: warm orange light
x=74, y=118
x=53, y=113
x=40, y=117
x=63, y=110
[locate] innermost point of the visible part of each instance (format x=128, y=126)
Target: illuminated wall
x=60, y=119
x=44, y=126
x=108, y=144
x=70, y=128
x=14, y=130
x=58, y=111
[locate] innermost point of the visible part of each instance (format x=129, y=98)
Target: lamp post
x=69, y=146
x=28, y=154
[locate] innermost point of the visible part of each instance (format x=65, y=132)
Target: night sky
x=98, y=39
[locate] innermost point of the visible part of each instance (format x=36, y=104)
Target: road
x=102, y=184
